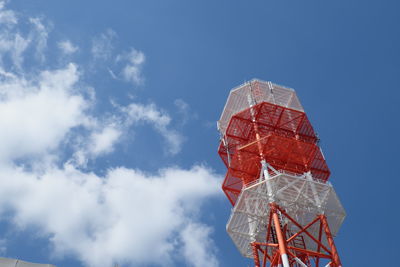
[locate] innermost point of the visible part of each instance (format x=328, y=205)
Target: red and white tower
x=285, y=212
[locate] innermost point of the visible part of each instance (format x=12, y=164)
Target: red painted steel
x=232, y=186
x=275, y=246
x=285, y=137
x=269, y=118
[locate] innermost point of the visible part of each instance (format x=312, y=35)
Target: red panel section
x=283, y=154
x=269, y=119
x=286, y=141
x=232, y=186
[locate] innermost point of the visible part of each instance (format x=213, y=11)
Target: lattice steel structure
x=285, y=211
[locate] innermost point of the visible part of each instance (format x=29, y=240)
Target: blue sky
x=108, y=113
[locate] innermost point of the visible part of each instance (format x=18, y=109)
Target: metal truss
x=282, y=249
x=283, y=193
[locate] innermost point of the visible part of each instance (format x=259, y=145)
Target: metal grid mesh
x=302, y=198
x=257, y=91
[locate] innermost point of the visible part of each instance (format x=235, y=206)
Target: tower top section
x=255, y=92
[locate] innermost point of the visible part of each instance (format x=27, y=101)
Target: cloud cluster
x=50, y=131
x=126, y=216
x=125, y=66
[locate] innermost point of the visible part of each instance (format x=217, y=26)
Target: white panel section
x=258, y=91
x=302, y=198
x=5, y=262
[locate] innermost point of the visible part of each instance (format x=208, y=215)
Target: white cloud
x=198, y=247
x=107, y=132
x=36, y=115
x=103, y=141
x=132, y=71
x=116, y=218
x=67, y=47
x=102, y=134
x=159, y=120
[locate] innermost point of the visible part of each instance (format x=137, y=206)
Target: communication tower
x=285, y=212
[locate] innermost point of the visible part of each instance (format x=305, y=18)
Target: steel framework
x=285, y=211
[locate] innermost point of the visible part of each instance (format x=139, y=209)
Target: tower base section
x=288, y=249
x=287, y=214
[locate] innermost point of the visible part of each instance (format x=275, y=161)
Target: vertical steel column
x=335, y=254
x=279, y=234
x=255, y=254
x=251, y=101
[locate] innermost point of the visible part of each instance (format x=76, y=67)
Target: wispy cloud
x=67, y=47
x=102, y=45
x=12, y=42
x=159, y=120
x=20, y=44
x=7, y=17
x=41, y=35
x=133, y=62
x=185, y=111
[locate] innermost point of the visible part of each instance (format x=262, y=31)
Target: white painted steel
x=285, y=260
x=300, y=262
x=6, y=262
x=301, y=196
x=254, y=92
